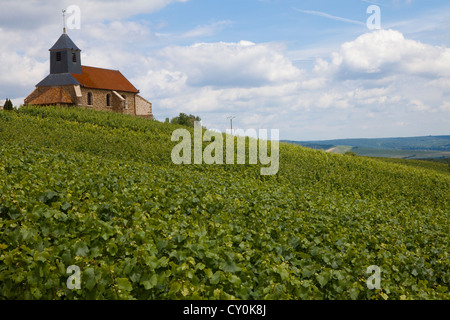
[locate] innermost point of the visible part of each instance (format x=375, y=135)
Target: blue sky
x=311, y=69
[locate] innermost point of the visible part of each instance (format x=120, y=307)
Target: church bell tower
x=65, y=56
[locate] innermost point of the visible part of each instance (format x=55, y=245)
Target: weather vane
x=64, y=21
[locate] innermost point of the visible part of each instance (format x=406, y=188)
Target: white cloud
x=242, y=64
x=35, y=14
x=381, y=84
x=387, y=51
x=206, y=30
x=418, y=105
x=16, y=68
x=445, y=106
x=118, y=33
x=441, y=83
x=18, y=72
x=108, y=10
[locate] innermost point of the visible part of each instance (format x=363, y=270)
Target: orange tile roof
x=52, y=96
x=98, y=78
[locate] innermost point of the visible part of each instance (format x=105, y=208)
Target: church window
x=89, y=99
x=108, y=100
x=74, y=58
x=58, y=56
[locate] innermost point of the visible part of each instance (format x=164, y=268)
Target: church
x=72, y=84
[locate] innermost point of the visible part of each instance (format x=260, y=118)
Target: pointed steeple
x=64, y=42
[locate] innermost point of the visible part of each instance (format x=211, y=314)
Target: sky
x=314, y=70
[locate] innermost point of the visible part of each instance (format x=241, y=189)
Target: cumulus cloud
x=19, y=69
x=242, y=64
x=380, y=77
x=35, y=14
x=387, y=51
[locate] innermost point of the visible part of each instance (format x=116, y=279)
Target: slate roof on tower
x=64, y=42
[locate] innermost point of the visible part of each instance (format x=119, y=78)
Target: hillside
x=99, y=191
x=438, y=165
x=426, y=147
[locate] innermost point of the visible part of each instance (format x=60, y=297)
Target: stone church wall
x=99, y=100
x=143, y=107
x=121, y=102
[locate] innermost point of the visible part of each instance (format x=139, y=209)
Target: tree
x=185, y=120
x=8, y=105
x=351, y=153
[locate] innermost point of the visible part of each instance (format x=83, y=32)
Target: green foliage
x=98, y=190
x=185, y=120
x=438, y=165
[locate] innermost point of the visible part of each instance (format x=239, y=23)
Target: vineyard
x=98, y=191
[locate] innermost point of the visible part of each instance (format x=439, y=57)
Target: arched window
x=108, y=100
x=89, y=99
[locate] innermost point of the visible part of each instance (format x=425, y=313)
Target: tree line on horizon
x=184, y=120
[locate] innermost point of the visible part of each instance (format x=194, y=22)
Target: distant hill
x=411, y=147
